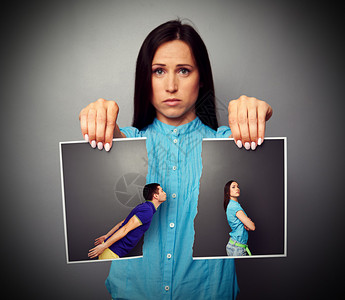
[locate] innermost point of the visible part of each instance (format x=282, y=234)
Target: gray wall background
x=57, y=56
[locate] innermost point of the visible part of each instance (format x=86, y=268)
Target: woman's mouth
x=172, y=102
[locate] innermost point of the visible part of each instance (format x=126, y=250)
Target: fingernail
x=247, y=146
x=107, y=147
x=93, y=144
x=253, y=146
x=239, y=144
x=86, y=137
x=259, y=141
x=100, y=145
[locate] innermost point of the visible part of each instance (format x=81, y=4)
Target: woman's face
x=234, y=190
x=175, y=83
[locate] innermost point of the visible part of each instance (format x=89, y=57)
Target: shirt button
x=167, y=288
x=169, y=256
x=174, y=195
x=175, y=130
x=172, y=225
x=175, y=141
x=174, y=168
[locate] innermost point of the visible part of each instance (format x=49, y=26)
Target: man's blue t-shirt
x=144, y=212
x=238, y=233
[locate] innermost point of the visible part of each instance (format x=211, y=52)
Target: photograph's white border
x=64, y=206
x=285, y=206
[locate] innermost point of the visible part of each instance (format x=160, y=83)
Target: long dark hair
x=144, y=111
x=227, y=193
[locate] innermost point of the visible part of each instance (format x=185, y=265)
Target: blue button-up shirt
x=167, y=270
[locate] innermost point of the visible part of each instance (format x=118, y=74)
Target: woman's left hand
x=247, y=121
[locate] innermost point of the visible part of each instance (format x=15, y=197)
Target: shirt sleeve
x=144, y=215
x=131, y=132
x=232, y=210
x=223, y=132
x=238, y=208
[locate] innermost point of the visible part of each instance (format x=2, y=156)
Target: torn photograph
x=103, y=199
x=242, y=206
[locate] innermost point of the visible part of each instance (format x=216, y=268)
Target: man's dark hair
x=150, y=190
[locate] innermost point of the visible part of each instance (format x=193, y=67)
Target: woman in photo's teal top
x=174, y=108
x=238, y=220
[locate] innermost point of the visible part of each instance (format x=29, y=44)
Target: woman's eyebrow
x=183, y=65
x=179, y=65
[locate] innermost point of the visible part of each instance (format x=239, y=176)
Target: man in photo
x=123, y=237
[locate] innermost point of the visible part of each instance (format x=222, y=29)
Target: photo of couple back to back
x=174, y=108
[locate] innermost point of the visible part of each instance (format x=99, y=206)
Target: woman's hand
x=98, y=123
x=247, y=120
x=97, y=251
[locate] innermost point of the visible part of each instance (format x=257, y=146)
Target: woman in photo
x=174, y=108
x=238, y=220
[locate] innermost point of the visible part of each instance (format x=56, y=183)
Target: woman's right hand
x=98, y=123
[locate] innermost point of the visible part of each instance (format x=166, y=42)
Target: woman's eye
x=184, y=71
x=158, y=71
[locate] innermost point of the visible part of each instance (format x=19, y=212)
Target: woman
x=174, y=107
x=238, y=220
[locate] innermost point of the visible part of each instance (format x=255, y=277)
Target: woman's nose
x=171, y=83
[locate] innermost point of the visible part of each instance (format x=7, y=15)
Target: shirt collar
x=182, y=129
x=152, y=204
